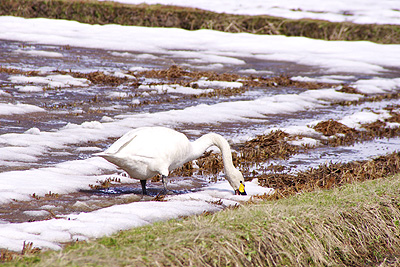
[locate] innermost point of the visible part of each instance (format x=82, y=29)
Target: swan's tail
x=110, y=157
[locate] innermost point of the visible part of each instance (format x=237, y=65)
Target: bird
x=147, y=151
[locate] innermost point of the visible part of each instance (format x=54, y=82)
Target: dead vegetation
x=172, y=75
x=7, y=255
x=275, y=145
x=188, y=78
x=177, y=75
x=332, y=127
x=18, y=71
x=97, y=77
x=366, y=98
x=106, y=183
x=46, y=196
x=340, y=134
x=330, y=175
x=95, y=12
x=27, y=250
x=264, y=147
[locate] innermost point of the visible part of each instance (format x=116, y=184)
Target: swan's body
x=148, y=151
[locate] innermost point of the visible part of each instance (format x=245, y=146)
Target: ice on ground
x=120, y=74
x=51, y=80
x=36, y=213
x=11, y=109
x=114, y=94
x=330, y=95
x=39, y=53
x=174, y=88
x=62, y=178
x=363, y=117
x=30, y=147
x=223, y=84
x=207, y=46
x=49, y=234
x=332, y=79
x=5, y=94
x=29, y=89
x=376, y=85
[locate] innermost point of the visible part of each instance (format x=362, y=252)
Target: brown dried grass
x=275, y=146
x=95, y=12
x=177, y=74
x=330, y=175
x=27, y=250
x=264, y=147
x=332, y=127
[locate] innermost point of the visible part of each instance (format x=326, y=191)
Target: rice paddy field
x=313, y=124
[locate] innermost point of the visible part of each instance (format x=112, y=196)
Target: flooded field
x=61, y=104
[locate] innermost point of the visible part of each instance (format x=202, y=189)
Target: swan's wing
x=151, y=142
x=123, y=141
x=156, y=148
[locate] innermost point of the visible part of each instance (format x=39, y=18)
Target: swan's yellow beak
x=241, y=190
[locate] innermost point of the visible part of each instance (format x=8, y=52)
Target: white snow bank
x=49, y=234
x=362, y=117
x=114, y=94
x=376, y=85
x=29, y=89
x=324, y=79
x=39, y=53
x=206, y=46
x=173, y=88
x=11, y=109
x=366, y=11
x=62, y=178
x=223, y=84
x=51, y=80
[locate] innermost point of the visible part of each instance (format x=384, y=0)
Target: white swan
x=147, y=151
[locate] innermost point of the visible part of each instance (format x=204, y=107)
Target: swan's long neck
x=200, y=146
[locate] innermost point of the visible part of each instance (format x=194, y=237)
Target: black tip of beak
x=237, y=192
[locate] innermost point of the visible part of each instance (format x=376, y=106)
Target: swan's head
x=235, y=178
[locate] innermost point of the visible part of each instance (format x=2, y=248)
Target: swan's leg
x=143, y=182
x=164, y=182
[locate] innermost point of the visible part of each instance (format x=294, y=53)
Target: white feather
x=147, y=151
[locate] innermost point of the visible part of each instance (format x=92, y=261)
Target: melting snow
x=207, y=46
x=211, y=48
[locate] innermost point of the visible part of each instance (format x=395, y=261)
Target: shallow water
x=76, y=105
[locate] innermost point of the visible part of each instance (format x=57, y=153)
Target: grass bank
x=354, y=225
x=93, y=12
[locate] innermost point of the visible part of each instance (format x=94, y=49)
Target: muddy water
x=92, y=103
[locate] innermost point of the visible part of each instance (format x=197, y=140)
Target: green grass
x=89, y=11
x=354, y=225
